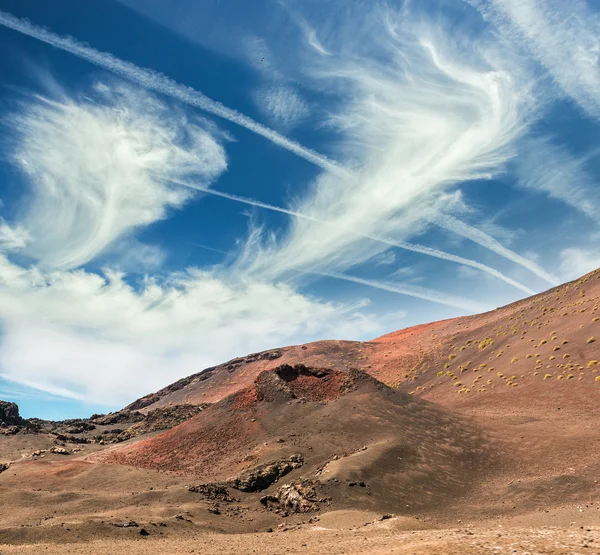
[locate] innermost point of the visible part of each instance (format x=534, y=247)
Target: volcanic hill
x=484, y=422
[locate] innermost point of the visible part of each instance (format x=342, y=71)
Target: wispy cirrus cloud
x=577, y=261
x=392, y=44
x=160, y=83
x=279, y=97
x=419, y=113
x=550, y=169
x=563, y=36
x=283, y=104
x=95, y=169
x=247, y=259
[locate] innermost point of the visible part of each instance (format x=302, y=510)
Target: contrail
x=481, y=238
x=398, y=244
x=414, y=291
x=161, y=83
x=167, y=86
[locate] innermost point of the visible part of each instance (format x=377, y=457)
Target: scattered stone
x=213, y=492
x=4, y=466
x=60, y=451
x=144, y=532
x=126, y=524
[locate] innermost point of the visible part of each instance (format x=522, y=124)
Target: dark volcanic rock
x=9, y=414
x=71, y=439
x=263, y=476
x=124, y=416
x=213, y=492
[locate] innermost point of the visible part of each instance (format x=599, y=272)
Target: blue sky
x=186, y=182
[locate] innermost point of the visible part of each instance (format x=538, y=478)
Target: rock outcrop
x=263, y=476
x=297, y=497
x=9, y=414
x=162, y=418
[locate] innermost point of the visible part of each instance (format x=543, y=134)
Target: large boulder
x=9, y=414
x=297, y=497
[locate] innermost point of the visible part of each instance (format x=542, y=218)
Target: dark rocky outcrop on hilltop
x=9, y=414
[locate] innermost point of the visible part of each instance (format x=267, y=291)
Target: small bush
x=556, y=348
x=485, y=343
x=591, y=340
x=514, y=359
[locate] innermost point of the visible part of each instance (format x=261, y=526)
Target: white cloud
x=402, y=43
x=277, y=98
x=160, y=83
x=96, y=169
x=283, y=104
x=97, y=338
x=576, y=262
x=563, y=36
x=414, y=121
x=385, y=258
x=12, y=238
x=547, y=168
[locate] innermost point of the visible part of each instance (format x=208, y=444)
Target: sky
x=186, y=182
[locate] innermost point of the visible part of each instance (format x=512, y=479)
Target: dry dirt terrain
x=471, y=435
